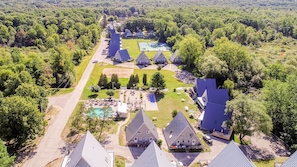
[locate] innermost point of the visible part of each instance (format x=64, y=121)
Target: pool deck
x=133, y=98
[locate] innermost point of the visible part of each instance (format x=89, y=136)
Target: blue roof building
x=203, y=84
x=214, y=115
x=114, y=44
x=231, y=156
x=122, y=56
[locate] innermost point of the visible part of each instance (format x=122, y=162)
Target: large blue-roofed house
x=202, y=84
x=214, y=115
x=114, y=44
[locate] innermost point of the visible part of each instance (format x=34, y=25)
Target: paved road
x=50, y=146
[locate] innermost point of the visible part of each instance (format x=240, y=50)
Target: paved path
x=51, y=145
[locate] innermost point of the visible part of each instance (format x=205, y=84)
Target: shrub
x=174, y=113
x=159, y=67
x=159, y=143
x=174, y=90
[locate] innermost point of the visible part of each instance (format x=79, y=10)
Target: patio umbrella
x=186, y=108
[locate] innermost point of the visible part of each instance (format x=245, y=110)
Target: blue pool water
x=152, y=98
x=153, y=46
x=100, y=113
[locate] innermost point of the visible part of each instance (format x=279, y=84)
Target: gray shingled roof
x=140, y=119
x=291, y=162
x=159, y=58
x=143, y=59
x=91, y=151
x=152, y=157
x=176, y=127
x=175, y=58
x=231, y=156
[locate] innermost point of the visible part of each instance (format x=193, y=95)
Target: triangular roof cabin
x=139, y=34
x=89, y=152
x=214, y=113
x=140, y=121
x=175, y=58
x=128, y=33
x=159, y=58
x=142, y=59
x=152, y=157
x=114, y=44
x=122, y=56
x=231, y=156
x=291, y=162
x=179, y=129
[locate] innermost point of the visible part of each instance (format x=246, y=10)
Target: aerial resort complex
x=129, y=83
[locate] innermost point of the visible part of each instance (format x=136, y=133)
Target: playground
x=153, y=46
x=121, y=72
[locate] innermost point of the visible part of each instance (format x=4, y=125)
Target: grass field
x=271, y=162
x=93, y=80
x=133, y=48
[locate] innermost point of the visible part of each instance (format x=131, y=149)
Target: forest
x=248, y=46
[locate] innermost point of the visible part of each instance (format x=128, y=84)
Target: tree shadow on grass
x=93, y=96
x=159, y=96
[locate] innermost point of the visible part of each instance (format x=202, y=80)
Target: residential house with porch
x=179, y=134
x=152, y=156
x=89, y=152
x=141, y=131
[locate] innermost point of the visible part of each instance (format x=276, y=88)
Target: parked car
x=95, y=61
x=207, y=139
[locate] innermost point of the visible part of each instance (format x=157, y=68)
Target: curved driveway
x=51, y=144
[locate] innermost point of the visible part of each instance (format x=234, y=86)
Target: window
x=147, y=132
x=151, y=138
x=135, y=138
x=145, y=138
x=140, y=138
x=193, y=142
x=106, y=159
x=138, y=132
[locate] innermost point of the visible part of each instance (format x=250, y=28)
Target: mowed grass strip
x=132, y=46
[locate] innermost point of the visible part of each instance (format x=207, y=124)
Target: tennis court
x=153, y=46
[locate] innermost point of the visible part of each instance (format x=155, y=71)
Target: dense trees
x=20, y=120
x=248, y=116
x=5, y=159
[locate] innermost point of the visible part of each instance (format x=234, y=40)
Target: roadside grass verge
x=270, y=163
x=122, y=135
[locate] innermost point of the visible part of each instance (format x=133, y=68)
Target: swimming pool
x=99, y=112
x=152, y=98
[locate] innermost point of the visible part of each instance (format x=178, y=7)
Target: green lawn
x=93, y=80
x=120, y=161
x=169, y=102
x=271, y=162
x=133, y=48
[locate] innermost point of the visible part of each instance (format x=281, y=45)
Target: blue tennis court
x=153, y=46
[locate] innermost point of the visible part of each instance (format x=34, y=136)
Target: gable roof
x=128, y=33
x=218, y=96
x=176, y=127
x=175, y=58
x=140, y=119
x=292, y=161
x=152, y=157
x=203, y=84
x=159, y=58
x=90, y=151
x=142, y=59
x=231, y=156
x=114, y=44
x=122, y=56
x=214, y=116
